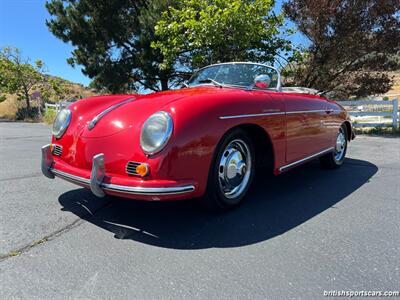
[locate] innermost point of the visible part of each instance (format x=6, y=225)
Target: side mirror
x=262, y=81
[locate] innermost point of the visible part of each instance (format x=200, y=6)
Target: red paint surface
x=197, y=130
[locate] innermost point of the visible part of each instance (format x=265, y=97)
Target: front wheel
x=232, y=171
x=335, y=159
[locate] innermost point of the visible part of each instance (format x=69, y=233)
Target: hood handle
x=103, y=113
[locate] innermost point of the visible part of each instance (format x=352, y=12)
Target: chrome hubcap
x=340, y=145
x=234, y=168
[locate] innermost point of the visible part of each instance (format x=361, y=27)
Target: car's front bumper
x=101, y=183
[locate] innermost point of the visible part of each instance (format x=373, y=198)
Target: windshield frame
x=278, y=87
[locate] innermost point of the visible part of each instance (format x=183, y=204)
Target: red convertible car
x=204, y=140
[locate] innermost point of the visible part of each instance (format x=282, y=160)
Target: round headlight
x=156, y=132
x=61, y=122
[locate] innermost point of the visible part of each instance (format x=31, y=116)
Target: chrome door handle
x=329, y=111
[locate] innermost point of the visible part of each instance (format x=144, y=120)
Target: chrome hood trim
x=103, y=113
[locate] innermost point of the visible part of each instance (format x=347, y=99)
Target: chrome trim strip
x=252, y=115
x=149, y=191
x=103, y=113
x=129, y=189
x=71, y=177
x=283, y=168
x=305, y=111
x=272, y=114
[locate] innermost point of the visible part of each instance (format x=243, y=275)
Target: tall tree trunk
x=164, y=83
x=26, y=94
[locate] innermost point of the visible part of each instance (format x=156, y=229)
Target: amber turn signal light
x=142, y=169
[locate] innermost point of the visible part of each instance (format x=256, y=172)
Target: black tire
x=234, y=142
x=335, y=159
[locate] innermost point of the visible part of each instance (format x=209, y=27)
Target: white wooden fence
x=57, y=106
x=357, y=110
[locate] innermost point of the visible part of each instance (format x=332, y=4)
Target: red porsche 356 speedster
x=204, y=140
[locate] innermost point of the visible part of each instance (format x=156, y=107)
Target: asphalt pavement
x=297, y=235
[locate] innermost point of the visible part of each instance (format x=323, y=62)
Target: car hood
x=128, y=115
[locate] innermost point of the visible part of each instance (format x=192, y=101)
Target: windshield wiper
x=209, y=80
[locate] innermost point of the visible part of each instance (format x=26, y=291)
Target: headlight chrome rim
x=58, y=132
x=149, y=150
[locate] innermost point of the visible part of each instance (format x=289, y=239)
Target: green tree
x=353, y=45
x=53, y=89
x=200, y=32
x=112, y=41
x=18, y=76
x=125, y=44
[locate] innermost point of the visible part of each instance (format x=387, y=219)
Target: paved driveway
x=298, y=234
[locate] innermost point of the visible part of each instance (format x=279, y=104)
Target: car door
x=306, y=133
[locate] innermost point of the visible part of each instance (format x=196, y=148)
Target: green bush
x=24, y=113
x=49, y=116
x=378, y=131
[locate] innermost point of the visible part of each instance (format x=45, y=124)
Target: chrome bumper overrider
x=47, y=161
x=98, y=172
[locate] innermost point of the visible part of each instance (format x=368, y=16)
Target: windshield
x=236, y=74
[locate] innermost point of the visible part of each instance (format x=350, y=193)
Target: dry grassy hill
x=9, y=107
x=395, y=90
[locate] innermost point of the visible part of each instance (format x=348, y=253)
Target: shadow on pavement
x=274, y=206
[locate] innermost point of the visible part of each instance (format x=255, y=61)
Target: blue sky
x=22, y=24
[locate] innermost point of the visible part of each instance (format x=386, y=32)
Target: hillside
x=395, y=90
x=9, y=107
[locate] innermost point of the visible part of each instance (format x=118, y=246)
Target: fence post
x=395, y=112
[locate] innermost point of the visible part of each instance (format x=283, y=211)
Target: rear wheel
x=336, y=158
x=232, y=171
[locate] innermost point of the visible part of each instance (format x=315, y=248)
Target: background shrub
x=49, y=116
x=24, y=113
